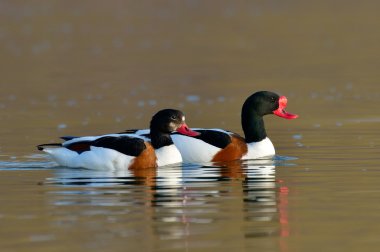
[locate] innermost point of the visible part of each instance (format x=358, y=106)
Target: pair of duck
x=169, y=140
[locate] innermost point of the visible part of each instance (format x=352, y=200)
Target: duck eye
x=173, y=117
x=272, y=99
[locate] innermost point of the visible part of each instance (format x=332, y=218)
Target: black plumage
x=216, y=138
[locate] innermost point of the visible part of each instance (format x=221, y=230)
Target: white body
x=261, y=149
x=97, y=158
x=194, y=150
x=100, y=158
x=168, y=155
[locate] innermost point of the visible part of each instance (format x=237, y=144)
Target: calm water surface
x=94, y=68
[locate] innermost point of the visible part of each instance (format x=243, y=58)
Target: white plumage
x=261, y=149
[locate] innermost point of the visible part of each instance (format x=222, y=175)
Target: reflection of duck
x=232, y=169
x=242, y=198
x=247, y=189
x=121, y=151
x=245, y=169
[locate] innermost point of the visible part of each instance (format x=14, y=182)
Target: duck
x=219, y=145
x=123, y=150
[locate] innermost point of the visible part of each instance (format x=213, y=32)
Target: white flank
x=168, y=155
x=97, y=158
x=264, y=148
x=194, y=150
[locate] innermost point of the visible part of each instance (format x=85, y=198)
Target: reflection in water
x=177, y=202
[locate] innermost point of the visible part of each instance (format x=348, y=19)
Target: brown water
x=104, y=66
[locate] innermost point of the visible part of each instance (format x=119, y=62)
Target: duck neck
x=253, y=124
x=160, y=139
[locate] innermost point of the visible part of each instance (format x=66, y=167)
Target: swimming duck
x=214, y=145
x=122, y=150
x=219, y=145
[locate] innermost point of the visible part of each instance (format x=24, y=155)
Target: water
x=95, y=68
x=171, y=206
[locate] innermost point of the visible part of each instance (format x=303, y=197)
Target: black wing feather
x=216, y=138
x=130, y=146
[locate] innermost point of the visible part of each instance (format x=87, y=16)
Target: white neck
x=168, y=155
x=264, y=148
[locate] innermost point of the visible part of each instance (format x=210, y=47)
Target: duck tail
x=41, y=147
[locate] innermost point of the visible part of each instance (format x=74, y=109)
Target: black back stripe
x=130, y=146
x=79, y=147
x=213, y=137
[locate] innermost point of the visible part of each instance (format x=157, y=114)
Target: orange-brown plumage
x=146, y=159
x=235, y=150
